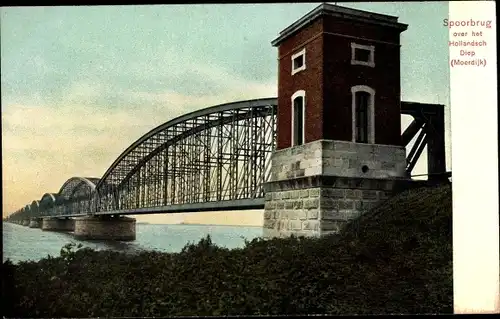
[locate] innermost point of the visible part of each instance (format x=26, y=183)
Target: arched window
x=298, y=117
x=363, y=115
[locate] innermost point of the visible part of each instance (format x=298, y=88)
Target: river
x=21, y=243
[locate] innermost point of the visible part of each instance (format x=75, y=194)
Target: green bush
x=395, y=259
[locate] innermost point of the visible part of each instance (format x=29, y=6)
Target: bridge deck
x=240, y=204
x=221, y=152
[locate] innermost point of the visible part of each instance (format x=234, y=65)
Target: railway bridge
x=214, y=159
x=326, y=149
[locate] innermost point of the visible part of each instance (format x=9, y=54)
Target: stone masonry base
x=317, y=187
x=316, y=206
x=58, y=224
x=105, y=228
x=35, y=223
x=339, y=158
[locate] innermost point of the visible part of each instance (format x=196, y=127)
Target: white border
x=299, y=93
x=371, y=111
x=371, y=48
x=303, y=67
x=473, y=95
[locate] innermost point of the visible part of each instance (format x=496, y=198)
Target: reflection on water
x=24, y=243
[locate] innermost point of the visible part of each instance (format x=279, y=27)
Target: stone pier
x=58, y=224
x=316, y=188
x=119, y=228
x=25, y=222
x=35, y=223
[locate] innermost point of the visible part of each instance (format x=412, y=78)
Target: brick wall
x=329, y=76
x=309, y=80
x=339, y=76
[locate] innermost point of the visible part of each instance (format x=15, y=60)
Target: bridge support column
x=316, y=188
x=436, y=153
x=26, y=222
x=102, y=227
x=35, y=223
x=58, y=224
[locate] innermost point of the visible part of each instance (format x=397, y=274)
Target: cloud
x=201, y=85
x=235, y=92
x=44, y=145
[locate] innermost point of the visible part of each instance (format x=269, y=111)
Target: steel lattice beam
x=213, y=159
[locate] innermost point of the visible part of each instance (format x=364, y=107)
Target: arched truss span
x=78, y=195
x=35, y=207
x=215, y=154
x=76, y=186
x=48, y=204
x=48, y=199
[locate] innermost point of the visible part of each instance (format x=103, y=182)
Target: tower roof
x=343, y=13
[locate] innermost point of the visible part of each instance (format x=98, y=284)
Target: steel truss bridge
x=212, y=159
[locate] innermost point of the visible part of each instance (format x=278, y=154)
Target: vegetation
x=395, y=259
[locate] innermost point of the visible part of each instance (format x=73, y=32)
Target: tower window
x=299, y=61
x=362, y=54
x=298, y=118
x=363, y=116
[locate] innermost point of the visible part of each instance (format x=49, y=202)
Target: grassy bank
x=395, y=259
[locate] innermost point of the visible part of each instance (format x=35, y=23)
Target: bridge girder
x=428, y=121
x=76, y=183
x=221, y=153
x=78, y=194
x=218, y=153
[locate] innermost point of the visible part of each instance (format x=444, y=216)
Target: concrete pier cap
x=105, y=227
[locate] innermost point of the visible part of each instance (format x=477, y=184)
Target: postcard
x=250, y=159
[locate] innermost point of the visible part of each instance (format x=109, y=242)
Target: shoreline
x=194, y=224
x=395, y=259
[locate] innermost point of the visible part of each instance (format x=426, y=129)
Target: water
x=21, y=243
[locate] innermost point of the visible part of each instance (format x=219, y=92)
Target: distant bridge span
x=208, y=160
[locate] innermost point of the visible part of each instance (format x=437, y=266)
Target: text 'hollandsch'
x=467, y=23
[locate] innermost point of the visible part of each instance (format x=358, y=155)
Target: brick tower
x=339, y=148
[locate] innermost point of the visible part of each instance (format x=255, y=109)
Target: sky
x=80, y=84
